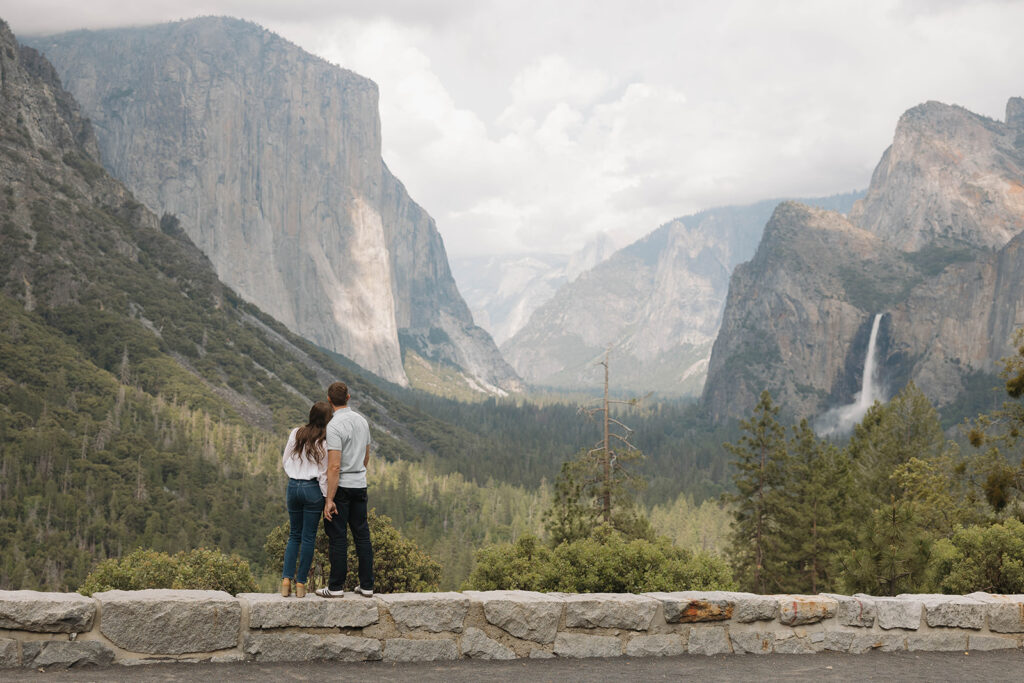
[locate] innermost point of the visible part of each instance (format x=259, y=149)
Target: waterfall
x=868, y=391
x=842, y=418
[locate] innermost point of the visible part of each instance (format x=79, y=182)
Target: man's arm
x=366, y=458
x=333, y=472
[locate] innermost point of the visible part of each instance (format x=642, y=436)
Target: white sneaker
x=326, y=592
x=366, y=593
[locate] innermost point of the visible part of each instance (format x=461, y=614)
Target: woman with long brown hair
x=304, y=460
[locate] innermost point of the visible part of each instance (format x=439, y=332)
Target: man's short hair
x=338, y=393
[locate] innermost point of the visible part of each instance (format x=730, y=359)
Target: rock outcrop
x=950, y=177
x=935, y=245
x=271, y=159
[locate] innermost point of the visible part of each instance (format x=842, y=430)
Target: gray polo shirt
x=348, y=432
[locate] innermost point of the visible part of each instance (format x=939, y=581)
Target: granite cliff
x=271, y=160
x=658, y=302
x=935, y=246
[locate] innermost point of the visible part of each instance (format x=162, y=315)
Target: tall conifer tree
x=760, y=461
x=815, y=522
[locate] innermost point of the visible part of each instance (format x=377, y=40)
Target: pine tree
x=1001, y=468
x=892, y=553
x=815, y=520
x=567, y=519
x=760, y=461
x=888, y=437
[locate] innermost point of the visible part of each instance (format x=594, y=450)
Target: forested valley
x=144, y=406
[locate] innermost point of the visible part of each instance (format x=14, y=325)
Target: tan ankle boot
x=286, y=587
x=300, y=590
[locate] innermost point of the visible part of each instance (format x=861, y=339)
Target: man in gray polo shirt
x=344, y=486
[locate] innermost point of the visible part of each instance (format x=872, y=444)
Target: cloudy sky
x=525, y=125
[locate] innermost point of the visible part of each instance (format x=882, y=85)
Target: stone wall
x=57, y=630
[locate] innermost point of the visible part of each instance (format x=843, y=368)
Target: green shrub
x=399, y=566
x=605, y=562
x=199, y=569
x=213, y=570
x=980, y=558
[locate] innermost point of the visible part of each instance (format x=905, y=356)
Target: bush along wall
x=59, y=630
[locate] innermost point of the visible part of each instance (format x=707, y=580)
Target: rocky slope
x=658, y=302
x=935, y=246
x=270, y=158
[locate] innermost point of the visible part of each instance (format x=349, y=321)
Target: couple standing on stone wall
x=325, y=461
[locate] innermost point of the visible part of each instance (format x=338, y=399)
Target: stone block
x=579, y=645
x=64, y=654
x=689, y=607
x=983, y=643
x=856, y=610
x=1005, y=612
x=433, y=612
x=665, y=645
x=170, y=622
x=46, y=612
x=954, y=611
x=476, y=645
x=301, y=647
x=898, y=613
x=523, y=614
x=885, y=642
x=9, y=653
x=837, y=641
x=794, y=646
x=405, y=650
x=795, y=610
x=752, y=642
x=709, y=640
x=537, y=653
x=937, y=641
x=750, y=607
x=270, y=610
x=609, y=610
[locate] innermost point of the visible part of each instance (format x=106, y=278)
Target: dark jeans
x=305, y=503
x=351, y=512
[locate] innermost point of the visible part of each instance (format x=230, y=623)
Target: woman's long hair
x=309, y=440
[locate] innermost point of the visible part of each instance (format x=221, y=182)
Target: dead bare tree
x=615, y=448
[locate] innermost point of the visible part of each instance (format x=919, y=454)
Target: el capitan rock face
x=935, y=246
x=270, y=157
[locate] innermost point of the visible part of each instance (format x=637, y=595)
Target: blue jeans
x=305, y=503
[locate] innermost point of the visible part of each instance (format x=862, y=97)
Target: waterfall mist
x=841, y=419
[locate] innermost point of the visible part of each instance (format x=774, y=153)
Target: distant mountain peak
x=951, y=176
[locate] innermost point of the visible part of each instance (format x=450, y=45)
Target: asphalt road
x=1003, y=665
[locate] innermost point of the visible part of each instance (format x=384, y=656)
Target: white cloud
x=534, y=125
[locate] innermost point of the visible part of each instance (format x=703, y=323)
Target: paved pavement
x=1003, y=665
